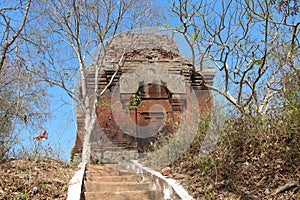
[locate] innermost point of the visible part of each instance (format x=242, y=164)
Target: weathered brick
x=142, y=51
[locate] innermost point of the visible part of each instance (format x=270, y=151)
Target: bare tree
x=71, y=33
x=23, y=98
x=248, y=42
x=11, y=25
x=23, y=105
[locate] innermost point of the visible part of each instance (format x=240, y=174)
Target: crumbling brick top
x=134, y=42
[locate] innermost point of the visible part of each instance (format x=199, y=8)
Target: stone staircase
x=105, y=183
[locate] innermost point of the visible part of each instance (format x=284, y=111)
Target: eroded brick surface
x=132, y=97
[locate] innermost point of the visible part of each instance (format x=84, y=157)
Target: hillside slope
x=249, y=162
x=35, y=179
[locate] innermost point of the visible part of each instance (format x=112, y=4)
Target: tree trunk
x=86, y=150
x=90, y=117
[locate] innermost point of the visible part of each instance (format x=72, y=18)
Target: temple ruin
x=146, y=96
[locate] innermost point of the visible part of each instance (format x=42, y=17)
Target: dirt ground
x=265, y=167
x=34, y=178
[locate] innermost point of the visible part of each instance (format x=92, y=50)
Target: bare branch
x=120, y=63
x=9, y=42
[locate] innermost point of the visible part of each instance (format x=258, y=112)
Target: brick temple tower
x=150, y=90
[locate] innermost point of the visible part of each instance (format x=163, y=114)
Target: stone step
x=107, y=183
x=95, y=168
x=125, y=195
x=102, y=173
x=124, y=178
x=106, y=173
x=93, y=186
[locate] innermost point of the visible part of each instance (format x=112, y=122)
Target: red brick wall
x=147, y=48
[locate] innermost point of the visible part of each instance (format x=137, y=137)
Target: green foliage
x=134, y=101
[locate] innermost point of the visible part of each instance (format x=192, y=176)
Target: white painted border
x=177, y=188
x=75, y=184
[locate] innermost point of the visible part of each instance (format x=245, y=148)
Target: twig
x=285, y=187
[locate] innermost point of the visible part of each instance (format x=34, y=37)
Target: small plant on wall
x=134, y=101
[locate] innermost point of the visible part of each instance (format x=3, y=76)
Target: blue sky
x=62, y=126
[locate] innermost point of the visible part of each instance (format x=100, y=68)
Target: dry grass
x=249, y=162
x=34, y=178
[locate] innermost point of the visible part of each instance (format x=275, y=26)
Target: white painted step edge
x=75, y=184
x=172, y=185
